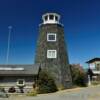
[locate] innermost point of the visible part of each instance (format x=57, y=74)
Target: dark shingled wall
x=59, y=67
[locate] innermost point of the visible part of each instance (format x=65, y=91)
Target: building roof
x=93, y=60
x=19, y=70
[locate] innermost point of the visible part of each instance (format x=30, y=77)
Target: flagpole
x=8, y=46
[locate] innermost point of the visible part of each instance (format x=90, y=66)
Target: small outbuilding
x=18, y=75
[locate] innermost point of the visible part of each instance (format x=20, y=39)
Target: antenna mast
x=8, y=46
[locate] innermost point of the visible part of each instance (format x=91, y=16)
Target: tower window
x=51, y=54
x=51, y=17
x=51, y=37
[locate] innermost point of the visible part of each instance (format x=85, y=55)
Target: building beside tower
x=94, y=65
x=51, y=51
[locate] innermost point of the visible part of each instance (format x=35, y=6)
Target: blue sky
x=81, y=19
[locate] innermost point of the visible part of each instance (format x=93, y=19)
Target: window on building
x=51, y=54
x=20, y=82
x=51, y=17
x=51, y=37
x=98, y=67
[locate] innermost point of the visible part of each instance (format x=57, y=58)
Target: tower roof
x=51, y=18
x=19, y=70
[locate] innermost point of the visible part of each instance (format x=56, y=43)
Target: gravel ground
x=89, y=93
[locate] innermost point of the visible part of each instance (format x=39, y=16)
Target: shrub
x=12, y=90
x=95, y=82
x=80, y=81
x=3, y=93
x=46, y=83
x=79, y=76
x=2, y=89
x=61, y=87
x=32, y=93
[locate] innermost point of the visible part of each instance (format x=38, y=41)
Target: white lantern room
x=51, y=18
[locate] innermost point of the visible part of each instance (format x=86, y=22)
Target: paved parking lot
x=89, y=93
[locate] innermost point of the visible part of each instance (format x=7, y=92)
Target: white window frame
x=48, y=34
x=50, y=56
x=20, y=84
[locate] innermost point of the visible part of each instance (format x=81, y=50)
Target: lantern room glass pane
x=51, y=17
x=46, y=18
x=56, y=18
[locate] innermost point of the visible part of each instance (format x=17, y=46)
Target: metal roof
x=93, y=60
x=19, y=70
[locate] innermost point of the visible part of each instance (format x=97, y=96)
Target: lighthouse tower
x=51, y=50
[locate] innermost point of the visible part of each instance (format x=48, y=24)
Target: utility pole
x=8, y=46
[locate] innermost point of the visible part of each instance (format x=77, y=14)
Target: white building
x=94, y=64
